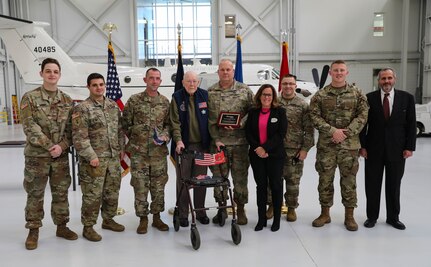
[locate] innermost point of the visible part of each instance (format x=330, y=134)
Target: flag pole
x=178, y=85
x=238, y=76
x=109, y=27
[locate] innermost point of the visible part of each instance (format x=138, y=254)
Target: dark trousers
x=268, y=170
x=394, y=171
x=189, y=169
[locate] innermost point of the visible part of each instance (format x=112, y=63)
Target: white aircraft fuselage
x=28, y=44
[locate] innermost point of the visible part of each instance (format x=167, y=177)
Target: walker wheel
x=195, y=238
x=236, y=233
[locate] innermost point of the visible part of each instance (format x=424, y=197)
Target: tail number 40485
x=44, y=49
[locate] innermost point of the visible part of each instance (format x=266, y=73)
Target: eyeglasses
x=267, y=95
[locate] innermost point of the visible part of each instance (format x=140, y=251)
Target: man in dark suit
x=388, y=139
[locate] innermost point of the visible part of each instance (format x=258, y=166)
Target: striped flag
x=238, y=63
x=284, y=68
x=206, y=159
x=114, y=92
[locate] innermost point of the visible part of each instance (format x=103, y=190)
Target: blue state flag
x=238, y=63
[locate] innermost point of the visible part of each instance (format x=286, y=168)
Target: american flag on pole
x=113, y=91
x=113, y=88
x=206, y=159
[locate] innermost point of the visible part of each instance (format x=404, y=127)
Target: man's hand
x=363, y=153
x=302, y=155
x=407, y=154
x=55, y=151
x=180, y=147
x=163, y=138
x=218, y=145
x=94, y=162
x=339, y=136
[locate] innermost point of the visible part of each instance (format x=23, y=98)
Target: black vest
x=201, y=107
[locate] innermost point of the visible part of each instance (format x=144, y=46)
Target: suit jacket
x=388, y=139
x=276, y=131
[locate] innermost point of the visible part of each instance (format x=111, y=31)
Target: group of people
x=276, y=132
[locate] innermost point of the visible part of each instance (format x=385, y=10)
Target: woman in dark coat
x=265, y=131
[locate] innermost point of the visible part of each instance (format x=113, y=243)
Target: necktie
x=386, y=106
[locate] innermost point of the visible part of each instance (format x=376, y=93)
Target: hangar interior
x=368, y=35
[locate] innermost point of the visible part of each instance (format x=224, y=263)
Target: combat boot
x=158, y=223
x=291, y=215
x=64, y=232
x=349, y=221
x=31, y=241
x=112, y=225
x=220, y=216
x=242, y=218
x=90, y=234
x=270, y=212
x=143, y=225
x=323, y=218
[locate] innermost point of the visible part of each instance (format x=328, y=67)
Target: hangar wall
x=317, y=32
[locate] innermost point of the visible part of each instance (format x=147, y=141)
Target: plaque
x=229, y=119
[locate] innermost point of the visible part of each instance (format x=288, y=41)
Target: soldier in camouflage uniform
x=45, y=114
x=339, y=112
x=144, y=114
x=98, y=140
x=298, y=141
x=229, y=95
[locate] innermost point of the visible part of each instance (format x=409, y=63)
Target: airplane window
x=263, y=75
x=173, y=77
x=127, y=79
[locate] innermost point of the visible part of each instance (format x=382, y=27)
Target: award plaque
x=226, y=119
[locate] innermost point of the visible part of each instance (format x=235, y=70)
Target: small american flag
x=206, y=159
x=113, y=91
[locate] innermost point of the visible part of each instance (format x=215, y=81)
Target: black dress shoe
x=184, y=222
x=259, y=226
x=370, y=223
x=203, y=219
x=397, y=224
x=275, y=227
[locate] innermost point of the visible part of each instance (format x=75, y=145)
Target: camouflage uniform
x=141, y=115
x=46, y=122
x=238, y=98
x=299, y=136
x=331, y=109
x=97, y=135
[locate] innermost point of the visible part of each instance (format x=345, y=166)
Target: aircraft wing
x=12, y=23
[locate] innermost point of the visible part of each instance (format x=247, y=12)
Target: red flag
x=114, y=92
x=284, y=68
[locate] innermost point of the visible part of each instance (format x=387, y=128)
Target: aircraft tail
x=29, y=44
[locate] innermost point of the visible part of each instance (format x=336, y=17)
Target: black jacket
x=276, y=131
x=388, y=139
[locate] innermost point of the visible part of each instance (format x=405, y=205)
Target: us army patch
x=76, y=119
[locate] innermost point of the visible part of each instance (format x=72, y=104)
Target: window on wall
x=158, y=34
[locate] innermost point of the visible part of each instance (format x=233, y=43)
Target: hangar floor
x=295, y=244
